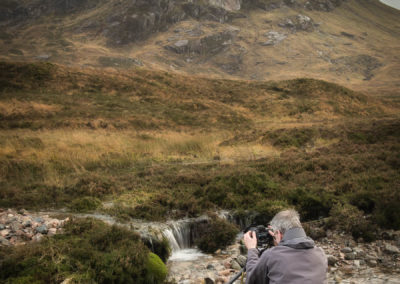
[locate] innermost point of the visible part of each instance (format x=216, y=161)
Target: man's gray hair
x=286, y=220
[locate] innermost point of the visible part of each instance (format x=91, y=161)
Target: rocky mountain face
x=338, y=40
x=124, y=22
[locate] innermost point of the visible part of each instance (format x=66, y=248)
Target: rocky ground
x=349, y=261
x=19, y=227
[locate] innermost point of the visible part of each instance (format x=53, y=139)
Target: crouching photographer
x=293, y=259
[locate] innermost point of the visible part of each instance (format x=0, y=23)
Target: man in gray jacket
x=293, y=259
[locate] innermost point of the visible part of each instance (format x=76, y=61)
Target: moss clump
x=84, y=204
x=90, y=251
x=216, y=234
x=156, y=271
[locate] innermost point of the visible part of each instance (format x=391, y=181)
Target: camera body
x=264, y=239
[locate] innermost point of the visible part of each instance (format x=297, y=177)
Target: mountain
x=351, y=42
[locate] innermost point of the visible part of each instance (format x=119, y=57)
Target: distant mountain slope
x=354, y=42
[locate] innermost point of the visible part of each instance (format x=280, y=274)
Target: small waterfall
x=181, y=234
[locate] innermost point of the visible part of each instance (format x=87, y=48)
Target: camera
x=262, y=235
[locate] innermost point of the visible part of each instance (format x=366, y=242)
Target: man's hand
x=250, y=240
x=277, y=235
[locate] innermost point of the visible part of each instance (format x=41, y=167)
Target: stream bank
x=349, y=261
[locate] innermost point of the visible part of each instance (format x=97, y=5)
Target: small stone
x=26, y=224
x=210, y=267
x=224, y=272
x=372, y=262
x=37, y=237
x=208, y=280
x=22, y=212
x=42, y=229
x=52, y=231
x=4, y=233
x=357, y=263
x=2, y=227
x=4, y=241
x=390, y=249
x=227, y=264
x=38, y=220
x=332, y=260
x=350, y=256
x=346, y=250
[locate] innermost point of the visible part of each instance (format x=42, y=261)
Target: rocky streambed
x=349, y=261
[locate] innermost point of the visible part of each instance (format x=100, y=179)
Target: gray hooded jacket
x=295, y=259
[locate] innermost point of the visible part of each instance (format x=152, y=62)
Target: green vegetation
x=163, y=146
x=88, y=251
x=156, y=271
x=216, y=234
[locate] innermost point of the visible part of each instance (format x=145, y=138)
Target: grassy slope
x=159, y=144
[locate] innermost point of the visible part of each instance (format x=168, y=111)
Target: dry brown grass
x=16, y=107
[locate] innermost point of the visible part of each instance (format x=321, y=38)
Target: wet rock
x=2, y=227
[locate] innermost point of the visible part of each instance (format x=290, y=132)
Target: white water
x=189, y=254
x=392, y=3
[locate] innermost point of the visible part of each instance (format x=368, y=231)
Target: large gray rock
x=207, y=45
x=298, y=23
x=229, y=5
x=274, y=38
x=323, y=5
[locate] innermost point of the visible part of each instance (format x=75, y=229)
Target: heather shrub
x=348, y=218
x=90, y=251
x=216, y=234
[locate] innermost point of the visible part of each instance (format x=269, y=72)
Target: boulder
x=274, y=38
x=323, y=5
x=298, y=23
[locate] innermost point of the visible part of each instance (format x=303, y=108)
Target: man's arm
x=256, y=267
